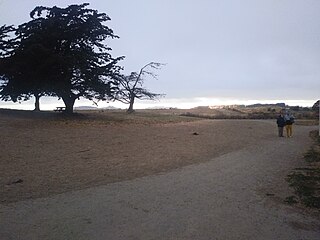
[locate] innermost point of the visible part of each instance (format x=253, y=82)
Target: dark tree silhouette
x=131, y=87
x=8, y=90
x=315, y=106
x=62, y=52
x=7, y=43
x=24, y=74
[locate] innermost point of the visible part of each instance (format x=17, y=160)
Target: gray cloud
x=250, y=49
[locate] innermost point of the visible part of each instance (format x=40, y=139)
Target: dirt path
x=234, y=196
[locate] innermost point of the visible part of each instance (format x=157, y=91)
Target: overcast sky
x=216, y=51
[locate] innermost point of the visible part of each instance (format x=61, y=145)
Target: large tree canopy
x=62, y=52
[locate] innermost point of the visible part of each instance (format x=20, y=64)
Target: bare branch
x=131, y=86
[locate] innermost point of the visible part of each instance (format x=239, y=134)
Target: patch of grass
x=306, y=180
x=291, y=200
x=315, y=136
x=303, y=183
x=312, y=155
x=311, y=201
x=306, y=187
x=305, y=169
x=137, y=117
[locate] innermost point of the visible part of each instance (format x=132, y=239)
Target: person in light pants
x=289, y=120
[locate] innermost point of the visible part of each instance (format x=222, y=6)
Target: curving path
x=236, y=196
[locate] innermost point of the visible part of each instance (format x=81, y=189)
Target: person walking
x=289, y=120
x=281, y=124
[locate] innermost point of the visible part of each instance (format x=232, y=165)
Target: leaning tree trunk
x=37, y=102
x=69, y=102
x=130, y=109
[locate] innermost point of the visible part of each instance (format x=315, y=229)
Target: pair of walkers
x=286, y=121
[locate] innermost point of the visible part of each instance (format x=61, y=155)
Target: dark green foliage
x=62, y=52
x=25, y=72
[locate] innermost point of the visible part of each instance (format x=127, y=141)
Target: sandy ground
x=232, y=188
x=60, y=155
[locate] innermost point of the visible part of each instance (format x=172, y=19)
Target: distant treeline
x=252, y=115
x=282, y=105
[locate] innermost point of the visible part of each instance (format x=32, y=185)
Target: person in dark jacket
x=281, y=123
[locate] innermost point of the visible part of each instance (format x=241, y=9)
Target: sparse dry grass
x=48, y=153
x=306, y=180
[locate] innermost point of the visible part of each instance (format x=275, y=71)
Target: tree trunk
x=69, y=102
x=37, y=102
x=130, y=109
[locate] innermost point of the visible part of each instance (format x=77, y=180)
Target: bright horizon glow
x=49, y=103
